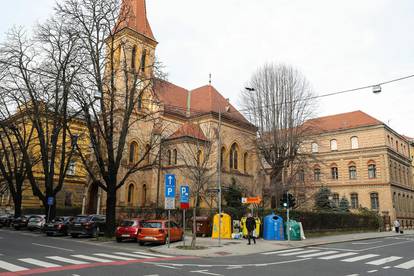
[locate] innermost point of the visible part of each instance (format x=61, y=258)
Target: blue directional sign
x=170, y=185
x=184, y=194
x=50, y=200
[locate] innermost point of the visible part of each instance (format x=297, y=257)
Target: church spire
x=135, y=12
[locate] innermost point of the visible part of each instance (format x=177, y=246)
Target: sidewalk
x=240, y=247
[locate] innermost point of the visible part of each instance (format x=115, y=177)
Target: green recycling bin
x=294, y=230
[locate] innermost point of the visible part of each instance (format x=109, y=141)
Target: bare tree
x=278, y=101
x=39, y=73
x=195, y=151
x=116, y=96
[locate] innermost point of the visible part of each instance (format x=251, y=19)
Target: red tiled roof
x=137, y=18
x=189, y=130
x=342, y=121
x=172, y=96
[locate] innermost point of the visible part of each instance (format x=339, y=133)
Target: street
x=25, y=253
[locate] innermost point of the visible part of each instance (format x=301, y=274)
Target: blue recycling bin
x=273, y=228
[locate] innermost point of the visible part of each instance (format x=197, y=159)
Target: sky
x=336, y=44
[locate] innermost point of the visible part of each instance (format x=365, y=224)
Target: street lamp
x=376, y=89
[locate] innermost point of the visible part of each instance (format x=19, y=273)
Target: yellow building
x=364, y=160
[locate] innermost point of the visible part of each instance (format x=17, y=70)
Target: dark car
x=58, y=226
x=6, y=220
x=87, y=225
x=21, y=222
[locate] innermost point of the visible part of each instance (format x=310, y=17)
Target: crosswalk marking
x=38, y=262
x=283, y=251
x=317, y=254
x=66, y=260
x=90, y=258
x=11, y=267
x=384, y=260
x=152, y=254
x=110, y=256
x=359, y=258
x=337, y=256
x=406, y=265
x=300, y=252
x=133, y=255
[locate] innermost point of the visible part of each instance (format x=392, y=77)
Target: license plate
x=77, y=224
x=125, y=235
x=149, y=238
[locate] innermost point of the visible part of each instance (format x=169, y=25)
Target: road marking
x=152, y=254
x=317, y=254
x=11, y=267
x=300, y=252
x=386, y=267
x=205, y=272
x=362, y=243
x=90, y=258
x=372, y=271
x=353, y=275
x=384, y=260
x=152, y=275
x=66, y=260
x=234, y=267
x=38, y=262
x=337, y=256
x=282, y=251
x=167, y=266
x=54, y=247
x=407, y=265
x=133, y=255
x=359, y=258
x=113, y=257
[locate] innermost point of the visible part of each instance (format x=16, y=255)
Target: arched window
x=133, y=147
x=334, y=145
x=374, y=201
x=317, y=174
x=301, y=175
x=245, y=162
x=352, y=171
x=354, y=142
x=175, y=156
x=354, y=201
x=234, y=157
x=315, y=147
x=144, y=195
x=334, y=172
x=143, y=60
x=335, y=199
x=130, y=193
x=222, y=155
x=199, y=157
x=372, y=170
x=139, y=102
x=169, y=157
x=133, y=56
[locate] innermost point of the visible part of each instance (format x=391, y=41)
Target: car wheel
x=74, y=235
x=118, y=239
x=49, y=234
x=141, y=243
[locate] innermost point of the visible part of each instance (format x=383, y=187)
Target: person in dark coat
x=251, y=226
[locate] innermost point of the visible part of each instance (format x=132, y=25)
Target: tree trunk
x=17, y=200
x=110, y=212
x=50, y=211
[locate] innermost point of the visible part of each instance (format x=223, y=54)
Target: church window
x=133, y=56
x=234, y=157
x=143, y=60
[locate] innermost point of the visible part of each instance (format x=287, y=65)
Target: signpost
x=251, y=200
x=169, y=200
x=184, y=204
x=50, y=202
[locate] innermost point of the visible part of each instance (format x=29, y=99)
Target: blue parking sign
x=184, y=194
x=50, y=200
x=169, y=185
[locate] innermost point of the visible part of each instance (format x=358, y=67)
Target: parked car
x=21, y=222
x=58, y=226
x=128, y=229
x=36, y=222
x=88, y=225
x=6, y=220
x=156, y=231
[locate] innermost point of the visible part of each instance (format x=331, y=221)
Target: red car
x=156, y=231
x=128, y=229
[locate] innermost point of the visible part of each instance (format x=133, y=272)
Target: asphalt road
x=24, y=253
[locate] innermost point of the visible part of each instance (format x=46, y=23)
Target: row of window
x=234, y=158
x=354, y=202
x=133, y=153
x=130, y=194
x=352, y=171
x=398, y=146
x=334, y=144
x=403, y=202
x=398, y=173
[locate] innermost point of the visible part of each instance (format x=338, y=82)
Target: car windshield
x=146, y=224
x=35, y=219
x=128, y=223
x=81, y=219
x=58, y=219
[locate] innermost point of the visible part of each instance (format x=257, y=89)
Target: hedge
x=73, y=211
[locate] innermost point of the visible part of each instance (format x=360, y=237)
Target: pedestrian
x=251, y=227
x=397, y=226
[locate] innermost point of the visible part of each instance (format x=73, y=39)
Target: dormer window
x=354, y=142
x=334, y=145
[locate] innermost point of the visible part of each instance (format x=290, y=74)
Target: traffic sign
x=184, y=197
x=50, y=200
x=251, y=200
x=170, y=185
x=169, y=203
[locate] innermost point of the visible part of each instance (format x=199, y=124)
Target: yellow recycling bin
x=225, y=226
x=244, y=228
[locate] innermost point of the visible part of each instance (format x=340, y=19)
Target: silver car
x=36, y=222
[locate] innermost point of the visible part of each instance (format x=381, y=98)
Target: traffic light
x=287, y=201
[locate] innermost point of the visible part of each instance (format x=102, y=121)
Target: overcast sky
x=337, y=44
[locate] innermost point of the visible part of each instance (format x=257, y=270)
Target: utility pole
x=219, y=176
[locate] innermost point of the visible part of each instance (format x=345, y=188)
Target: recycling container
x=244, y=228
x=203, y=226
x=225, y=232
x=294, y=230
x=273, y=228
